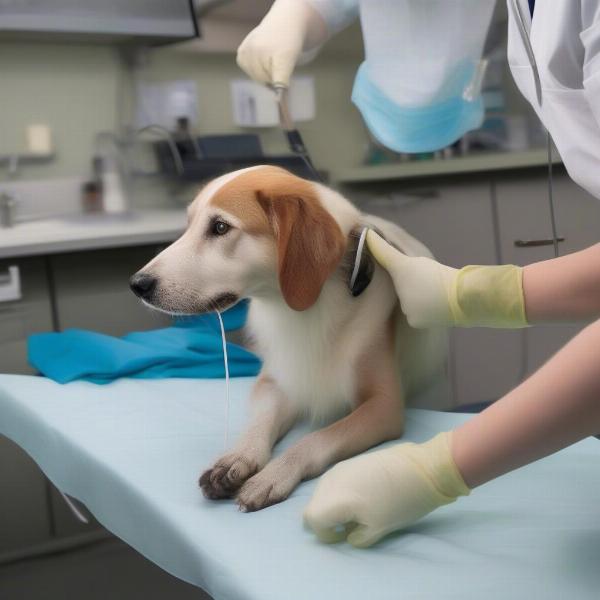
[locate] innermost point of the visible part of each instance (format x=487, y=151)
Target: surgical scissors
x=292, y=134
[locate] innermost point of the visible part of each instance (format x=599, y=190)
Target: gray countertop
x=88, y=232
x=472, y=163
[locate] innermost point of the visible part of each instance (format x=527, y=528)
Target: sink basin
x=77, y=231
x=100, y=218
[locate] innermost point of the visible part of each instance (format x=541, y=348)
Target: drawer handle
x=535, y=243
x=10, y=285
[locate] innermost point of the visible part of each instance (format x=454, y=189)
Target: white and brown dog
x=286, y=243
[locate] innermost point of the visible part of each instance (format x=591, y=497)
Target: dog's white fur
x=314, y=360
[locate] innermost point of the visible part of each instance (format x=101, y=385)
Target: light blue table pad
x=132, y=451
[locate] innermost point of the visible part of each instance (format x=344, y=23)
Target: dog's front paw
x=226, y=476
x=271, y=485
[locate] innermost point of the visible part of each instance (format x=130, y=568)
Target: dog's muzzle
x=143, y=285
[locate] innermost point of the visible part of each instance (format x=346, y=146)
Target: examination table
x=132, y=451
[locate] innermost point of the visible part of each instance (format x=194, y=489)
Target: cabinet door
x=92, y=291
x=524, y=214
x=24, y=516
x=20, y=318
x=455, y=220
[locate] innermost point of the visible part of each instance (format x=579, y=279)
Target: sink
x=99, y=218
x=70, y=232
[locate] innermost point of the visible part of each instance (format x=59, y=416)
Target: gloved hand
x=432, y=294
x=367, y=497
x=271, y=50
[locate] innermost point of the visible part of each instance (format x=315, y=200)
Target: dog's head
x=256, y=231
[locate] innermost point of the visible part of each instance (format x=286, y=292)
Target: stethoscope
x=518, y=10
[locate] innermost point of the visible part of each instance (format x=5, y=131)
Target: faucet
x=7, y=210
x=123, y=145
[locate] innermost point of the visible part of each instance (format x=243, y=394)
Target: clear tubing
x=226, y=362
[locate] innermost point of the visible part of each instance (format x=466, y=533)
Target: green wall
x=70, y=88
x=79, y=90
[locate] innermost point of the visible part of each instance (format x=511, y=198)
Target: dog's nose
x=142, y=285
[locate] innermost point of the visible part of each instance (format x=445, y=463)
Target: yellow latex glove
x=367, y=497
x=269, y=53
x=432, y=294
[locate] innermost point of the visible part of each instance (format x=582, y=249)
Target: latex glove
x=433, y=294
x=269, y=53
x=365, y=498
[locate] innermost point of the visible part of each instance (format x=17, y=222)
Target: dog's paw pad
x=258, y=493
x=226, y=477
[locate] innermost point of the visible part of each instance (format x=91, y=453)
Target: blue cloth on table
x=132, y=452
x=192, y=347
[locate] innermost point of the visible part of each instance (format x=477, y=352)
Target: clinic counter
x=471, y=163
x=90, y=232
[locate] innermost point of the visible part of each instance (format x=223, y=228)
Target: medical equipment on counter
x=8, y=207
x=132, y=451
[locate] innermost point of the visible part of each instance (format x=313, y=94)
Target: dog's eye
x=220, y=228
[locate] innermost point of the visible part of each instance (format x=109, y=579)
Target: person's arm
x=508, y=296
x=291, y=33
x=365, y=498
x=565, y=288
x=555, y=407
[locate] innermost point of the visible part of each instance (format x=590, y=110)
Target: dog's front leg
x=272, y=416
x=377, y=419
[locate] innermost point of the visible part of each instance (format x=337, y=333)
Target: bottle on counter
x=114, y=199
x=91, y=197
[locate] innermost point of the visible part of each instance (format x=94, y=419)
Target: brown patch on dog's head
x=310, y=243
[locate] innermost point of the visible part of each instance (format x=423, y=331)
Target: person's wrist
x=307, y=25
x=436, y=461
x=488, y=296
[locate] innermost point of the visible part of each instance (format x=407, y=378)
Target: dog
x=288, y=245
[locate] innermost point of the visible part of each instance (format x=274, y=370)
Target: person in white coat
x=554, y=56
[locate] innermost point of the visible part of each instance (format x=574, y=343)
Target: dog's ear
x=310, y=245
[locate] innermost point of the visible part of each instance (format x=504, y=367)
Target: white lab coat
x=565, y=40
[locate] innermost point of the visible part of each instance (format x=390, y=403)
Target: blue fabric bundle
x=190, y=348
